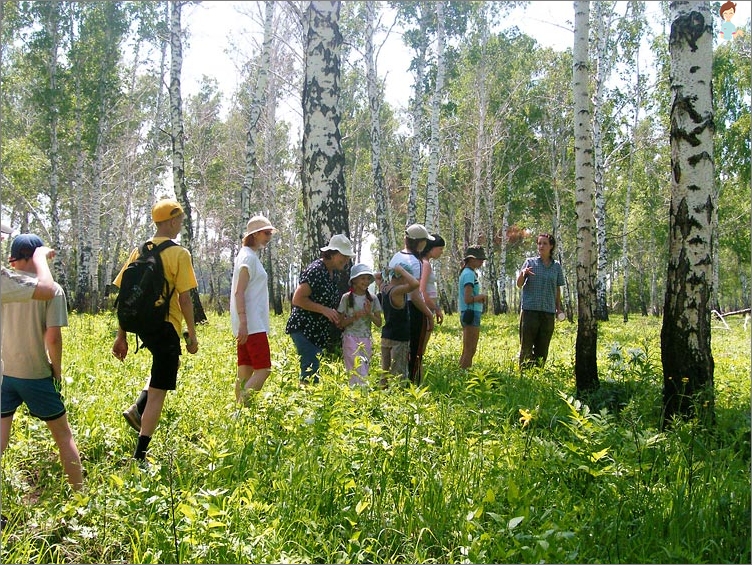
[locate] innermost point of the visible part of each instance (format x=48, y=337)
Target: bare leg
x=69, y=456
x=5, y=426
x=248, y=380
x=152, y=411
x=470, y=336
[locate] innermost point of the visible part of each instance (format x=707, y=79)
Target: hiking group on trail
x=154, y=302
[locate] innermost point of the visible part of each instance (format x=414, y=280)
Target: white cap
x=418, y=231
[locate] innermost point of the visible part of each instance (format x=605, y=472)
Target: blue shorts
x=41, y=396
x=476, y=319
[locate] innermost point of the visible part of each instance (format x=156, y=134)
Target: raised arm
x=45, y=288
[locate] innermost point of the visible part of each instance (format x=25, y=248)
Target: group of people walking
x=405, y=306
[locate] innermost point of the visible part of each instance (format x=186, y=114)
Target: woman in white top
x=249, y=309
x=433, y=250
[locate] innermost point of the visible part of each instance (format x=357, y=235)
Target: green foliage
x=480, y=466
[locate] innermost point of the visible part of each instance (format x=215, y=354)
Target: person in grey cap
x=32, y=361
x=421, y=316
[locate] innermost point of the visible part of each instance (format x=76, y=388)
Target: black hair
x=551, y=240
x=351, y=299
x=437, y=241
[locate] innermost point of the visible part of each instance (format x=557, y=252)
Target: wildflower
x=526, y=417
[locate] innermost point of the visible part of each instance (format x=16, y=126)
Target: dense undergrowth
x=480, y=466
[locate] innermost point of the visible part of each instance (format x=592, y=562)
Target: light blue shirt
x=468, y=276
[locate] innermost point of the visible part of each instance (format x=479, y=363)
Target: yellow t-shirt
x=178, y=270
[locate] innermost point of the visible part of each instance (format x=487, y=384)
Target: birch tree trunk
x=386, y=240
x=258, y=105
x=603, y=61
x=157, y=165
x=586, y=367
x=628, y=195
x=685, y=335
x=322, y=175
x=80, y=216
x=416, y=113
x=105, y=43
x=502, y=280
x=479, y=159
x=53, y=22
x=270, y=180
x=432, y=184
x=177, y=136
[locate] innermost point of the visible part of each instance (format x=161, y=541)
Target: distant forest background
x=94, y=129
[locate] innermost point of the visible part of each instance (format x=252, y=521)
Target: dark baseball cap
x=23, y=246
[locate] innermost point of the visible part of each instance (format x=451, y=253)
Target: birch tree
x=258, y=105
x=96, y=57
x=432, y=186
x=686, y=354
x=322, y=175
x=418, y=40
x=177, y=136
x=387, y=242
x=603, y=60
x=586, y=368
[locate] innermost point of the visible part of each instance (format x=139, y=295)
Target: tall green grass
x=478, y=466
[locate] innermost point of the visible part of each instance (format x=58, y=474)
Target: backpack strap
x=148, y=248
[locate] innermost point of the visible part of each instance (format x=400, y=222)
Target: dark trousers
x=418, y=330
x=536, y=329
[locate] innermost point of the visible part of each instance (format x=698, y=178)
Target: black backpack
x=144, y=298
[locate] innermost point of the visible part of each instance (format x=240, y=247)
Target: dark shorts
x=255, y=352
x=475, y=321
x=164, y=346
x=41, y=396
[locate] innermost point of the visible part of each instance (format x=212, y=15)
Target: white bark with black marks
x=322, y=175
x=685, y=336
x=586, y=368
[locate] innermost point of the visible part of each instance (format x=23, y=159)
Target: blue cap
x=23, y=246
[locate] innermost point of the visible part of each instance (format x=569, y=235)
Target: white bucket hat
x=256, y=224
x=360, y=269
x=339, y=242
x=418, y=231
x=6, y=229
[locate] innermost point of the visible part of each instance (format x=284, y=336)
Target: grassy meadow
x=484, y=466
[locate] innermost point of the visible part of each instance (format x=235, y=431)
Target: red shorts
x=255, y=352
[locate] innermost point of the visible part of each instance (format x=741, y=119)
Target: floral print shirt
x=314, y=326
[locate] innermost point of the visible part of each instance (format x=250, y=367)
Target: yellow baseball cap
x=165, y=209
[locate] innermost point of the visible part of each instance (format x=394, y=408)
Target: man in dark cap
x=32, y=360
x=17, y=287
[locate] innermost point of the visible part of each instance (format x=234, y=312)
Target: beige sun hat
x=257, y=224
x=339, y=242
